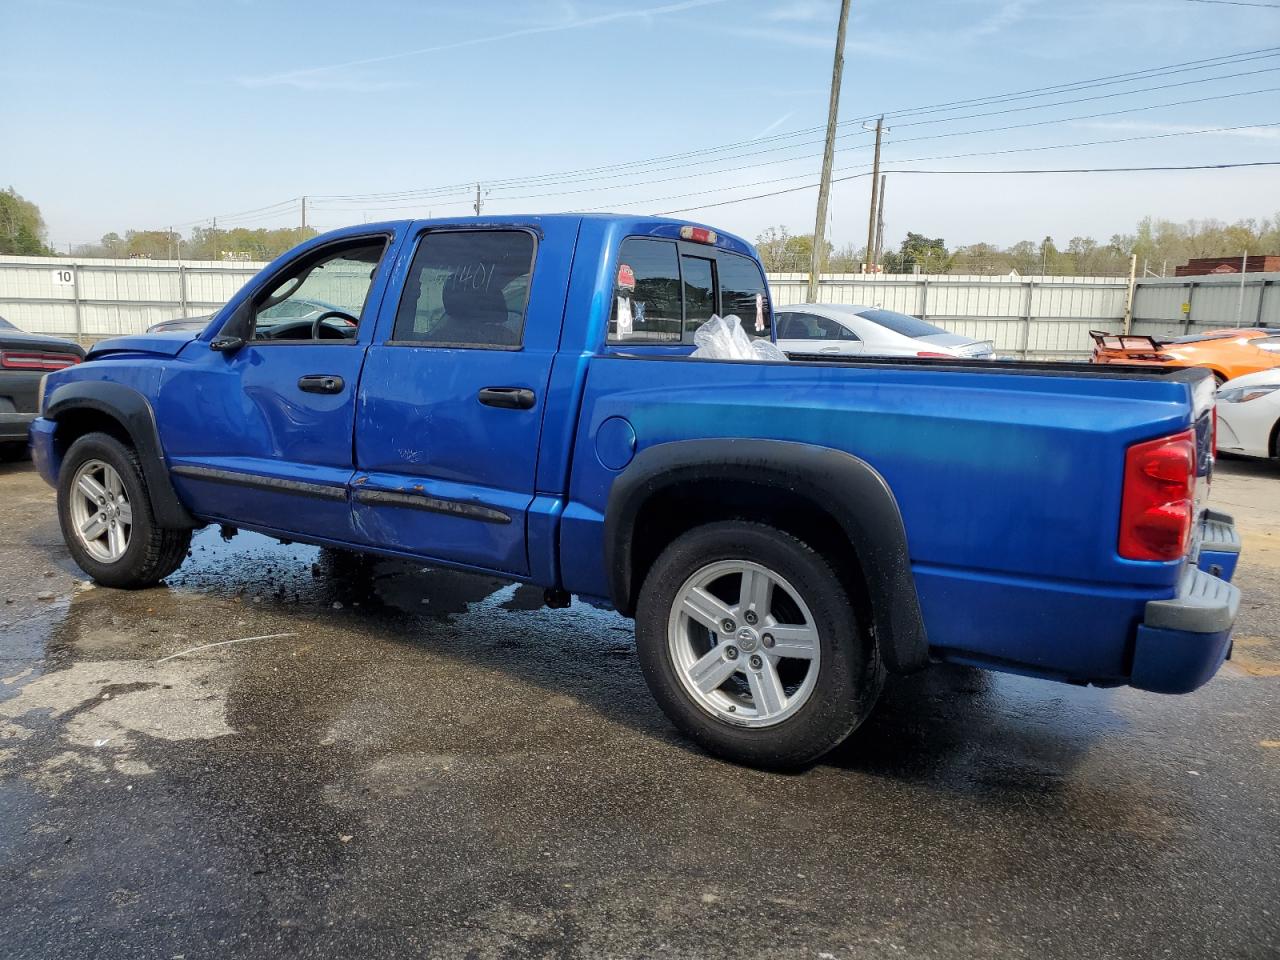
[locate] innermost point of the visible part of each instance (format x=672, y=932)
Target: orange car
x=1229, y=353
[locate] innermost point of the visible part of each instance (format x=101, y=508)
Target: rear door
x=453, y=393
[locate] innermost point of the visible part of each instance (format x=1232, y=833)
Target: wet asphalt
x=415, y=762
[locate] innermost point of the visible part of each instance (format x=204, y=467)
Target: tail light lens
x=31, y=360
x=1157, y=505
x=936, y=356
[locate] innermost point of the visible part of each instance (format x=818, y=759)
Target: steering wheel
x=318, y=323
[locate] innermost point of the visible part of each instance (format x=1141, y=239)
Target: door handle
x=510, y=398
x=320, y=383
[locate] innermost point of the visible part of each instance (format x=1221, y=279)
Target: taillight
x=936, y=356
x=31, y=360
x=697, y=234
x=1157, y=504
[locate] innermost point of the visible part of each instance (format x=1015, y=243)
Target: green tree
x=22, y=229
x=918, y=251
x=782, y=252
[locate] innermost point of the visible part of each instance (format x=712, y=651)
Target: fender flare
x=133, y=412
x=847, y=488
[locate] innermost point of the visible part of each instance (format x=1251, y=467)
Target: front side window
x=467, y=288
x=322, y=298
x=806, y=326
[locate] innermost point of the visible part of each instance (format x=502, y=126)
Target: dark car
x=24, y=359
x=190, y=324
x=285, y=318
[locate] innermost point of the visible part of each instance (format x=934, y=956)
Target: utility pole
x=1244, y=266
x=215, y=238
x=879, y=247
x=875, y=186
x=479, y=203
x=1128, y=300
x=302, y=234
x=828, y=155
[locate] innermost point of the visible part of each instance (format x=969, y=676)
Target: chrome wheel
x=100, y=511
x=743, y=643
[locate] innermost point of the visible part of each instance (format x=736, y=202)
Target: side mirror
x=225, y=344
x=235, y=332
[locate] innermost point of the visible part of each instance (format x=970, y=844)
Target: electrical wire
x=498, y=184
x=858, y=176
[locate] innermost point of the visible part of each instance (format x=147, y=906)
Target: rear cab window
x=902, y=323
x=665, y=289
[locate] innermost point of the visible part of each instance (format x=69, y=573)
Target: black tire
x=850, y=674
x=153, y=552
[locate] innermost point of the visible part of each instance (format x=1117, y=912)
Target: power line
x=564, y=176
x=936, y=136
x=858, y=176
x=438, y=195
x=1239, y=3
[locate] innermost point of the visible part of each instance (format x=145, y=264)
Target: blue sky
x=147, y=113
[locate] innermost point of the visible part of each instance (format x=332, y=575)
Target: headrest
x=468, y=304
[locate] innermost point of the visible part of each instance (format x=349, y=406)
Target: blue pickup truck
x=517, y=395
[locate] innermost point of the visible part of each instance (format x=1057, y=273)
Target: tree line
x=1160, y=245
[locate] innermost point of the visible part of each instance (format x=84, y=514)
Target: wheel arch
x=92, y=406
x=836, y=502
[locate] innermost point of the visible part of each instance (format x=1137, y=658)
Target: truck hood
x=156, y=344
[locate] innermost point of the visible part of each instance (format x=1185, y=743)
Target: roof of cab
x=641, y=222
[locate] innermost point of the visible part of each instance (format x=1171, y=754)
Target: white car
x=1249, y=415
x=851, y=330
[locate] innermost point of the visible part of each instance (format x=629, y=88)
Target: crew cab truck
x=516, y=395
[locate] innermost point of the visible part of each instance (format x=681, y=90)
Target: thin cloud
x=301, y=78
x=804, y=11
x=1248, y=133
x=775, y=125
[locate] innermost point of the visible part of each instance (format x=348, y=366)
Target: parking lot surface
x=288, y=753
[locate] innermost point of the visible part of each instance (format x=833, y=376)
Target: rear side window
x=664, y=291
x=902, y=323
x=467, y=288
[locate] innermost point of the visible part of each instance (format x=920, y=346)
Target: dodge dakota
x=517, y=395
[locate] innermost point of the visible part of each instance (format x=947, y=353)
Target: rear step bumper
x=1219, y=545
x=1182, y=641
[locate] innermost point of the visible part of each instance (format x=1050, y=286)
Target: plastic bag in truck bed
x=722, y=338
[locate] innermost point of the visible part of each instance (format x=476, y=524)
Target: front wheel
x=749, y=642
x=106, y=516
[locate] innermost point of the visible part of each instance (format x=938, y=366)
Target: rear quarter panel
x=1009, y=486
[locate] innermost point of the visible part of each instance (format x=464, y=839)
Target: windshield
x=902, y=323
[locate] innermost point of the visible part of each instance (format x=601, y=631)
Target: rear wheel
x=106, y=516
x=749, y=642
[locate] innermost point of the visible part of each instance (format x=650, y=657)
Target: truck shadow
x=953, y=728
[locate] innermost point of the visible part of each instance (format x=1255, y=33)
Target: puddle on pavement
x=104, y=674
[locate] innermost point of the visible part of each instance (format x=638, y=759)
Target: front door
x=261, y=436
x=452, y=399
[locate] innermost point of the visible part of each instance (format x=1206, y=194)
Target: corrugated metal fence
x=1037, y=317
